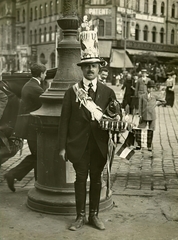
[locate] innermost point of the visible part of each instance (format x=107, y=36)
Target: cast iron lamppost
x=54, y=191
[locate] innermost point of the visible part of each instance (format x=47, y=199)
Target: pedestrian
x=147, y=104
x=30, y=102
x=81, y=140
x=104, y=72
x=140, y=86
x=170, y=85
x=128, y=93
x=3, y=102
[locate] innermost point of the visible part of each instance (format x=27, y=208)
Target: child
x=147, y=104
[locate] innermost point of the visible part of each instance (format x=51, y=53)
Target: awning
x=117, y=59
x=104, y=48
x=155, y=54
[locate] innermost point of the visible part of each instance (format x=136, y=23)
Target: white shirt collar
x=87, y=82
x=37, y=80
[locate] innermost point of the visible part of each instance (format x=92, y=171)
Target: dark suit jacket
x=30, y=101
x=76, y=124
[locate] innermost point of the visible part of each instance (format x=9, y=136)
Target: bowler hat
x=150, y=84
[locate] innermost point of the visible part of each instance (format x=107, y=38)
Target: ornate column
x=54, y=191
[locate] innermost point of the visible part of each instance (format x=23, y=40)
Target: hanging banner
x=132, y=28
x=119, y=25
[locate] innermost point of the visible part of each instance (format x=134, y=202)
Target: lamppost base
x=61, y=203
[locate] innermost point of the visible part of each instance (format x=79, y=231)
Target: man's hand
x=62, y=155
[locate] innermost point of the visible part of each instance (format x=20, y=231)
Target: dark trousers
x=92, y=164
x=27, y=164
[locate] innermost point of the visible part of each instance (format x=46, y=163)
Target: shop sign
x=98, y=11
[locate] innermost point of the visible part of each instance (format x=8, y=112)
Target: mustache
x=89, y=71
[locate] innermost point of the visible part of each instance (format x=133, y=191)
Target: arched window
x=172, y=36
x=101, y=28
x=31, y=14
x=44, y=34
x=36, y=12
x=154, y=34
x=40, y=35
x=154, y=7
x=35, y=36
x=162, y=35
x=42, y=58
x=40, y=11
x=137, y=5
x=31, y=37
x=57, y=6
x=23, y=15
x=162, y=8
x=52, y=58
x=46, y=10
x=137, y=30
x=173, y=11
x=146, y=5
x=50, y=33
x=51, y=8
x=145, y=33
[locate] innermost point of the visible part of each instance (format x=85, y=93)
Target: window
x=50, y=33
x=162, y=35
x=172, y=36
x=23, y=15
x=154, y=34
x=137, y=5
x=44, y=34
x=57, y=6
x=173, y=11
x=101, y=28
x=98, y=2
x=137, y=30
x=162, y=8
x=51, y=8
x=36, y=12
x=40, y=11
x=18, y=38
x=42, y=58
x=108, y=28
x=145, y=33
x=52, y=57
x=46, y=10
x=31, y=14
x=146, y=6
x=154, y=7
x=31, y=40
x=40, y=35
x=35, y=36
x=18, y=15
x=23, y=36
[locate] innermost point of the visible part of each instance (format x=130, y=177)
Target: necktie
x=91, y=92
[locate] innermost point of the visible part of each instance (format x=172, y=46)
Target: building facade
x=128, y=30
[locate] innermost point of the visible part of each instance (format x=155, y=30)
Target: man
x=140, y=87
x=103, y=75
x=30, y=102
x=84, y=143
x=3, y=102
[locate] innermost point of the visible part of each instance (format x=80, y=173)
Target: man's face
x=90, y=70
x=144, y=74
x=43, y=75
x=150, y=89
x=104, y=75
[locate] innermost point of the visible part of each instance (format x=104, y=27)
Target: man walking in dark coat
x=30, y=102
x=81, y=140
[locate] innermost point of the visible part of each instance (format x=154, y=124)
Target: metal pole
x=125, y=38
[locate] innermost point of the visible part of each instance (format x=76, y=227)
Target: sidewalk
x=145, y=192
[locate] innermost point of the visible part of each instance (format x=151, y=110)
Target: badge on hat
x=89, y=41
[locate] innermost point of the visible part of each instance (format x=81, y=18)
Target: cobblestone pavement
x=145, y=172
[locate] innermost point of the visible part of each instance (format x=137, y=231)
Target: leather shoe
x=10, y=181
x=96, y=222
x=79, y=222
